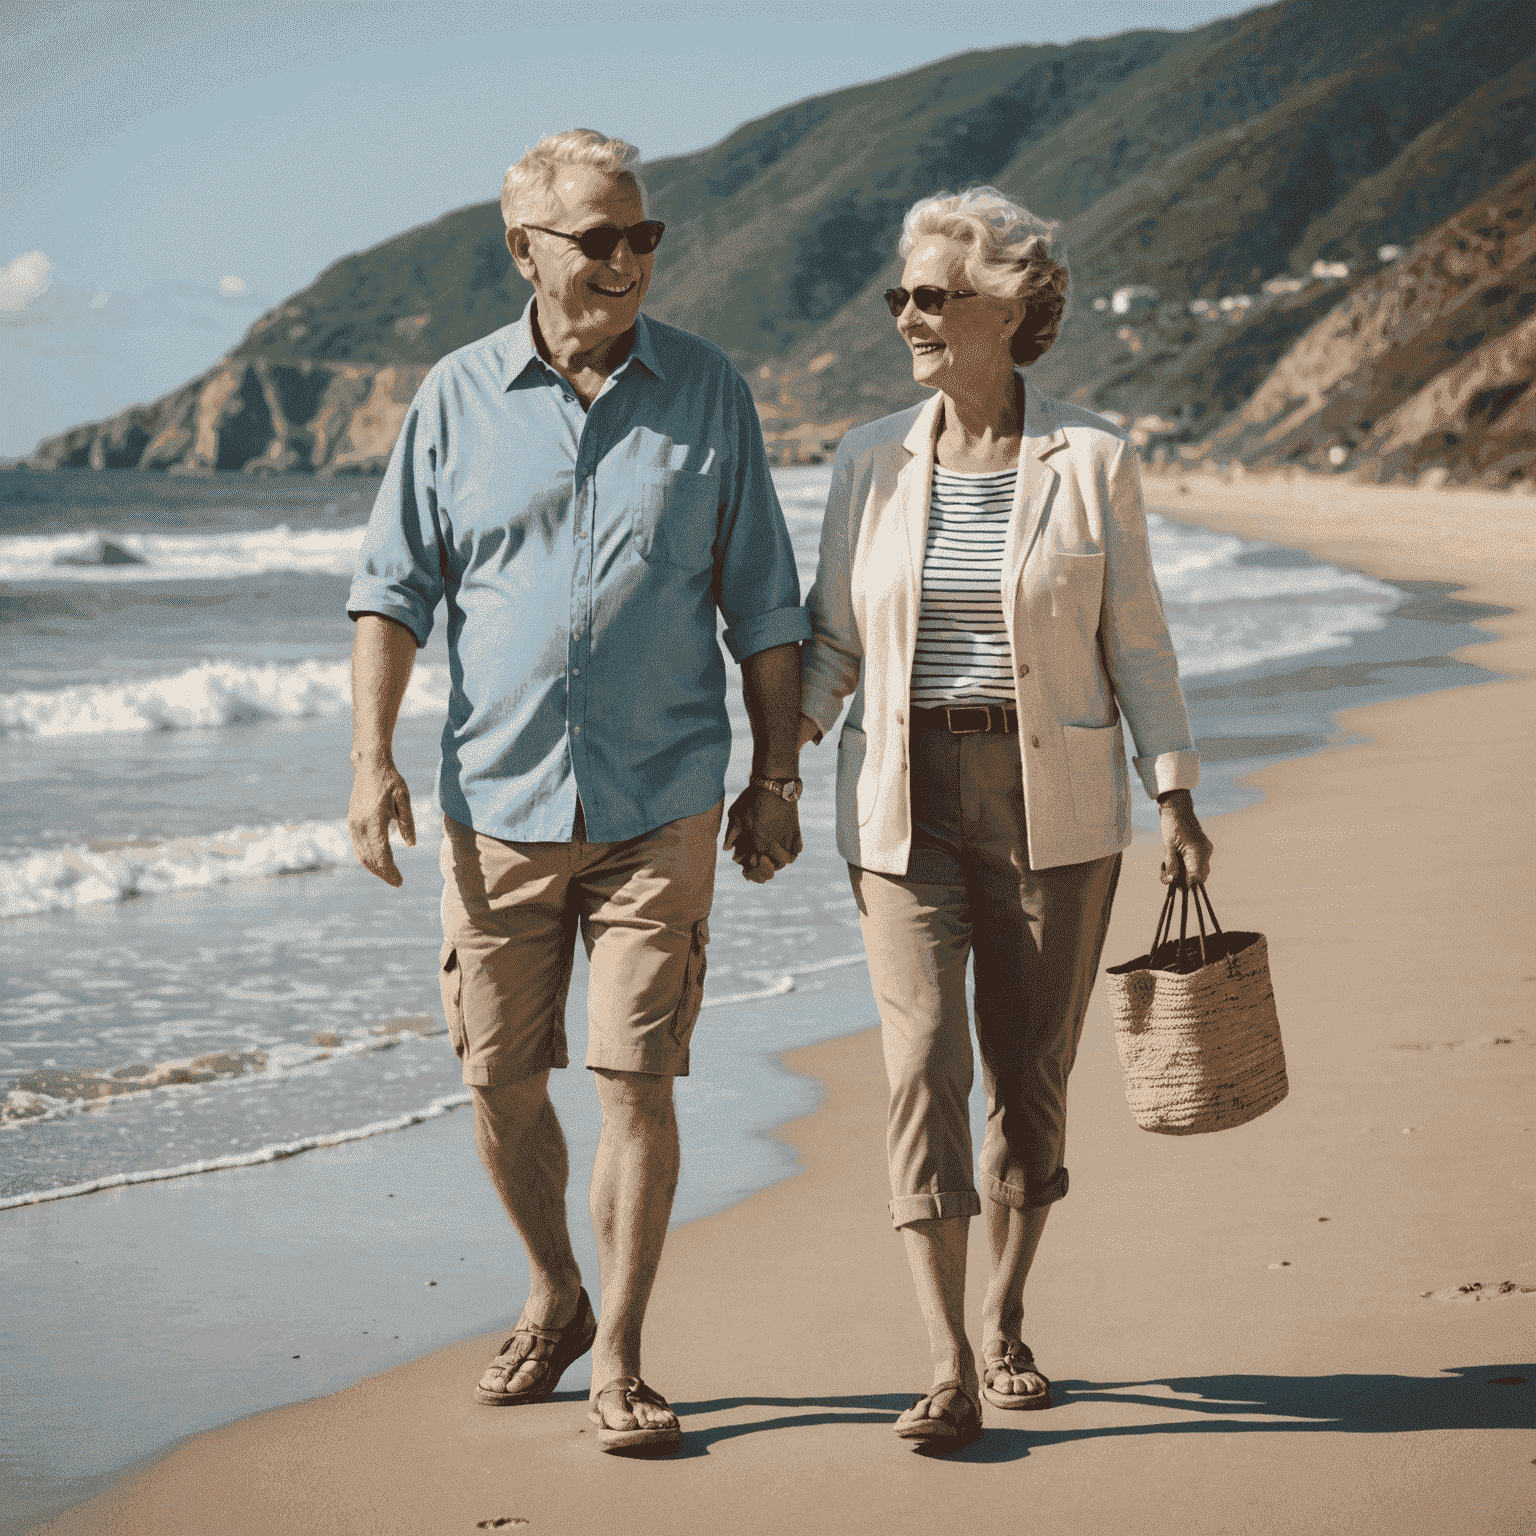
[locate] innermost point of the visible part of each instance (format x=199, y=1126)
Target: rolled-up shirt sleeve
x=756, y=585
x=399, y=567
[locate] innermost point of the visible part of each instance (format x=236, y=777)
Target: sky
x=170, y=172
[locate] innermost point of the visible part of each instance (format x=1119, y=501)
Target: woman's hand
x=810, y=732
x=1186, y=849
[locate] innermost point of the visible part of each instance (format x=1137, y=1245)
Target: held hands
x=763, y=833
x=379, y=796
x=1186, y=849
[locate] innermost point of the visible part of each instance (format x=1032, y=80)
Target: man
x=584, y=488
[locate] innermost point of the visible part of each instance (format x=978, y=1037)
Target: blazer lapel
x=1043, y=435
x=916, y=481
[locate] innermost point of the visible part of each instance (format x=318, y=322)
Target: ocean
x=195, y=974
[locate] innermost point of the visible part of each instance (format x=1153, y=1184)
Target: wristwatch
x=785, y=789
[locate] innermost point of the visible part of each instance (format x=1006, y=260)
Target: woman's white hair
x=527, y=188
x=1014, y=255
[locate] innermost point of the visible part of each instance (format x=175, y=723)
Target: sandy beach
x=1322, y=1321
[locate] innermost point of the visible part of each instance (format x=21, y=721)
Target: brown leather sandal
x=1016, y=1359
x=553, y=1348
x=630, y=1390
x=950, y=1430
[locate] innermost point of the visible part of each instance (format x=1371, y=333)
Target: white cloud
x=232, y=287
x=25, y=280
x=101, y=299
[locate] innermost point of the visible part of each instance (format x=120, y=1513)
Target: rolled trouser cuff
x=905, y=1209
x=1024, y=1199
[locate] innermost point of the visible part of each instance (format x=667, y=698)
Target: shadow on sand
x=1463, y=1397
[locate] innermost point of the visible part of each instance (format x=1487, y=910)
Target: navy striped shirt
x=963, y=655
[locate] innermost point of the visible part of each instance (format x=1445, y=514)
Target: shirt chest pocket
x=675, y=515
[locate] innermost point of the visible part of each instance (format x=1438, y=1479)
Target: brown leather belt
x=969, y=719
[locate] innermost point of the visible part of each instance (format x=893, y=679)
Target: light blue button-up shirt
x=583, y=555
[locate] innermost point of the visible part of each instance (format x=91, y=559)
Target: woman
x=986, y=594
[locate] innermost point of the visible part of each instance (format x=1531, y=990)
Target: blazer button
x=1034, y=741
x=1024, y=670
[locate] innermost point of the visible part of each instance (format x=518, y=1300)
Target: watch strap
x=778, y=786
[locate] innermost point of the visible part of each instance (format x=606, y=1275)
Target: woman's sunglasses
x=929, y=300
x=600, y=243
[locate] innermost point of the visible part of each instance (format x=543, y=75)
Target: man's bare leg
x=633, y=1181
x=520, y=1143
x=1014, y=1235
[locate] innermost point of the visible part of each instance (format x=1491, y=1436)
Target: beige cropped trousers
x=1036, y=935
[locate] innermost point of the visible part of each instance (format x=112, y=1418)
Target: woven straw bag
x=1196, y=1027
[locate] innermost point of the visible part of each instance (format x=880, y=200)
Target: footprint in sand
x=1477, y=1291
x=499, y=1523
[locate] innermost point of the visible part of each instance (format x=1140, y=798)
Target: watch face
x=791, y=792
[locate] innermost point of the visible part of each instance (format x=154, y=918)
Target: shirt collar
x=519, y=351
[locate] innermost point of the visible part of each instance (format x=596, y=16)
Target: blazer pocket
x=852, y=747
x=1097, y=773
x=675, y=517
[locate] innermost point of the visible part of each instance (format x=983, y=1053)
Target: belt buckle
x=967, y=709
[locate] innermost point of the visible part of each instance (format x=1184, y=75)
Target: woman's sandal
x=949, y=1431
x=1016, y=1360
x=553, y=1348
x=630, y=1390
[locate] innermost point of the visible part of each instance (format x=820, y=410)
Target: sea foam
x=268, y=1154
x=63, y=879
x=213, y=693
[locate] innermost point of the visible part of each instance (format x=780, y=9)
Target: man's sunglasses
x=929, y=300
x=600, y=243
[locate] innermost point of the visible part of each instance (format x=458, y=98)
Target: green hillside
x=1202, y=164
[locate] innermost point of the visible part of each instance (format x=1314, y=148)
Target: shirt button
x=1034, y=741
x=575, y=671
x=576, y=731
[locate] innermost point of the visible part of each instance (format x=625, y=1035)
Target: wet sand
x=1264, y=1329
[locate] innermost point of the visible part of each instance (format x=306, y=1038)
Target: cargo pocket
x=687, y=1014
x=451, y=980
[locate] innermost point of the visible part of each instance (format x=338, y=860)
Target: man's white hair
x=1014, y=255
x=527, y=190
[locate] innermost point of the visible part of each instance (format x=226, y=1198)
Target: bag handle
x=1164, y=931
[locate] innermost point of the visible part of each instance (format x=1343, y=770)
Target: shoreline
x=798, y=1297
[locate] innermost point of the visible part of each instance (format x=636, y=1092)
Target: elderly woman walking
x=986, y=594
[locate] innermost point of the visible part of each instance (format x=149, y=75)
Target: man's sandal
x=554, y=1349
x=1015, y=1361
x=951, y=1429
x=630, y=1390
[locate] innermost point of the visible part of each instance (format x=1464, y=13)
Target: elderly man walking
x=584, y=488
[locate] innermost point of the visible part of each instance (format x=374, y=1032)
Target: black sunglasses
x=600, y=243
x=929, y=300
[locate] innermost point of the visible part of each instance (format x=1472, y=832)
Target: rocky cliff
x=1424, y=364
x=255, y=415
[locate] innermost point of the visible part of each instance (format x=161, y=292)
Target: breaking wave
x=64, y=879
x=141, y=557
x=213, y=693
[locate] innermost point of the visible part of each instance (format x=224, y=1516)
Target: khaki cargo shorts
x=511, y=912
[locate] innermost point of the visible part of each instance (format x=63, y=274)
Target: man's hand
x=810, y=732
x=379, y=796
x=763, y=833
x=1186, y=849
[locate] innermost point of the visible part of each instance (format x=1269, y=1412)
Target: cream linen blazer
x=1084, y=617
